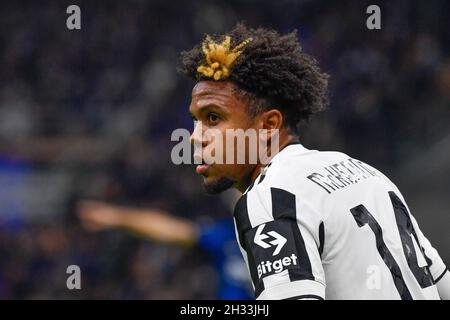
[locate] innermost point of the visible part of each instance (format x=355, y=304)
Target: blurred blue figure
x=216, y=238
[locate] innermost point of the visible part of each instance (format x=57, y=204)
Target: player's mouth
x=202, y=165
x=201, y=168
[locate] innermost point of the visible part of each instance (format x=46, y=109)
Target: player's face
x=216, y=105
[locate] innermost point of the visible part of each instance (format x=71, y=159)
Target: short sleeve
x=281, y=240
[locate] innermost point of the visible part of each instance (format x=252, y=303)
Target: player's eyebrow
x=207, y=107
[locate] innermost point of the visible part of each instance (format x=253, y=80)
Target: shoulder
x=314, y=180
x=283, y=187
x=313, y=174
x=292, y=167
x=295, y=170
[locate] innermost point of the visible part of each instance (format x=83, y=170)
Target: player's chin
x=214, y=185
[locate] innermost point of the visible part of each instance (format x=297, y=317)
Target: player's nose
x=197, y=136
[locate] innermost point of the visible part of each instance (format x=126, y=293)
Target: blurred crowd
x=89, y=113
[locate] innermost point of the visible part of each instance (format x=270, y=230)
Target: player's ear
x=272, y=121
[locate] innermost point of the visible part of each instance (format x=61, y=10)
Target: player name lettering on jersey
x=342, y=174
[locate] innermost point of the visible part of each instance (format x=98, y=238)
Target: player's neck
x=284, y=142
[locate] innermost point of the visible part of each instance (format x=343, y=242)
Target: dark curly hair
x=272, y=71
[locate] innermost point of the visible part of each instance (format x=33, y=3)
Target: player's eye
x=213, y=118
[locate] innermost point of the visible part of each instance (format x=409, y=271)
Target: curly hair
x=272, y=71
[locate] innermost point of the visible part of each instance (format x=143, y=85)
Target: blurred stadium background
x=89, y=113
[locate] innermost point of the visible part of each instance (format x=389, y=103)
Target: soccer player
x=310, y=224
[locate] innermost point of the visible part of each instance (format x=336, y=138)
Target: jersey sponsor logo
x=274, y=249
x=278, y=240
x=270, y=267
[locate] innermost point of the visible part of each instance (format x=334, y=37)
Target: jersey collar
x=289, y=148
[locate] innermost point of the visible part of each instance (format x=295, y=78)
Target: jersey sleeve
x=281, y=238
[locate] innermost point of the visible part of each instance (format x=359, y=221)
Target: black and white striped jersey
x=323, y=225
